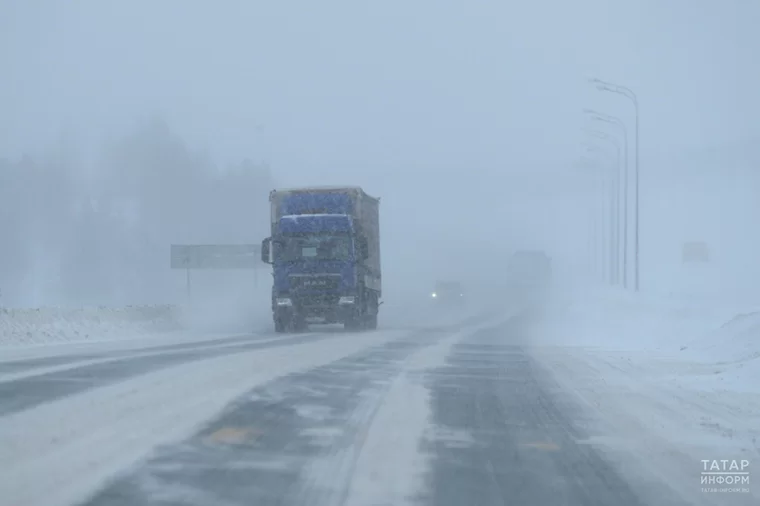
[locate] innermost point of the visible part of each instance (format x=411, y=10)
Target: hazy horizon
x=466, y=119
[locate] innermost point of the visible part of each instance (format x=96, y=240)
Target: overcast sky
x=339, y=84
x=446, y=100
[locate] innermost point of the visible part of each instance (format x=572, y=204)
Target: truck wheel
x=279, y=326
x=352, y=324
x=370, y=320
x=300, y=325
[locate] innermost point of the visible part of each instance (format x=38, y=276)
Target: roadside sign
x=215, y=256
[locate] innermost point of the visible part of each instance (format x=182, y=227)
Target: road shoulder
x=653, y=427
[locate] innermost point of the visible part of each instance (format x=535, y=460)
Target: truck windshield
x=314, y=247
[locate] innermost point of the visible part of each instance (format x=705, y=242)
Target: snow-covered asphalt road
x=27, y=383
x=454, y=415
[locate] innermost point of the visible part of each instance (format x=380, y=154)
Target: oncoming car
x=448, y=293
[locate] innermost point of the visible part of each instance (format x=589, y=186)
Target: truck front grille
x=315, y=283
x=318, y=300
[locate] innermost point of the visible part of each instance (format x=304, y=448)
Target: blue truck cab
x=324, y=250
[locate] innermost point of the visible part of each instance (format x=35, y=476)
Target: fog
x=126, y=127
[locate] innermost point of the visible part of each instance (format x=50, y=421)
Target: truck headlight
x=284, y=301
x=347, y=299
x=434, y=295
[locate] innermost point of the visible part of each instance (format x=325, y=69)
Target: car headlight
x=434, y=295
x=347, y=299
x=284, y=301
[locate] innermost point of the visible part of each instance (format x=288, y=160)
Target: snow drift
x=613, y=318
x=57, y=324
x=666, y=381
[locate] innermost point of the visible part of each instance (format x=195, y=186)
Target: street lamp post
x=597, y=239
x=598, y=116
x=627, y=92
x=614, y=204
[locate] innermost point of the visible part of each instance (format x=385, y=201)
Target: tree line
x=100, y=233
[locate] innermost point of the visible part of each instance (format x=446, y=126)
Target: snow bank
x=723, y=360
x=55, y=324
x=667, y=380
x=702, y=342
x=613, y=318
x=736, y=340
x=232, y=308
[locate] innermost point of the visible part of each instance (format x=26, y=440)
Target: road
x=445, y=415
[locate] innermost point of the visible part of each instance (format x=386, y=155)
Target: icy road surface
x=455, y=415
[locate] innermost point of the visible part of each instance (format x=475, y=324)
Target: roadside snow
x=126, y=342
x=206, y=314
x=150, y=351
x=610, y=318
x=669, y=381
x=55, y=325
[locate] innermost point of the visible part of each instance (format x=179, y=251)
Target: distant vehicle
x=448, y=293
x=325, y=252
x=529, y=273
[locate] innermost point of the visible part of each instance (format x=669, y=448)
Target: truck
x=324, y=248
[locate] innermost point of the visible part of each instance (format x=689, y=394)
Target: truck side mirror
x=266, y=247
